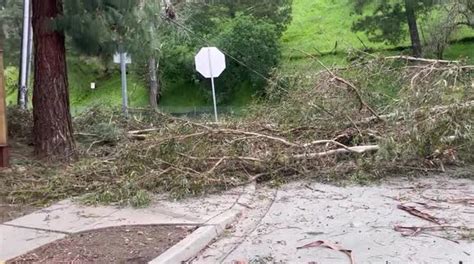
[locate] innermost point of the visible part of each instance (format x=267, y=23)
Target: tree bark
x=153, y=82
x=52, y=128
x=413, y=28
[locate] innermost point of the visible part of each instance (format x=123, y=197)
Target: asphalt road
x=361, y=219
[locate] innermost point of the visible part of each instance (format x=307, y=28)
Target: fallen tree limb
x=409, y=58
x=465, y=105
x=359, y=96
x=233, y=131
x=349, y=84
x=318, y=142
x=143, y=131
x=415, y=212
x=357, y=149
x=414, y=230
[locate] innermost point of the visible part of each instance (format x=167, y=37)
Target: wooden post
x=4, y=155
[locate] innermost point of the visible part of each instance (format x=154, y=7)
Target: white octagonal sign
x=210, y=62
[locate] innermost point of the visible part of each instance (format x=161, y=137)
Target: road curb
x=199, y=239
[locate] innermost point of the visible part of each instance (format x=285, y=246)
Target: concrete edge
x=190, y=246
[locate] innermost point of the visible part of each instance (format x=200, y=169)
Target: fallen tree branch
x=215, y=166
x=415, y=212
x=350, y=85
x=233, y=131
x=357, y=149
x=414, y=230
x=410, y=58
x=359, y=96
x=465, y=105
x=318, y=142
x=143, y=131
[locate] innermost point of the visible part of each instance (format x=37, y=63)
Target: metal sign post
x=123, y=59
x=4, y=155
x=210, y=62
x=25, y=44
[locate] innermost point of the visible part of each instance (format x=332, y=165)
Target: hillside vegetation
x=319, y=29
x=319, y=25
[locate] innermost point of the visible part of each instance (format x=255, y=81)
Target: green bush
x=253, y=45
x=11, y=80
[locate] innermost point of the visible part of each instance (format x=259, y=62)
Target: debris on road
x=413, y=211
x=326, y=244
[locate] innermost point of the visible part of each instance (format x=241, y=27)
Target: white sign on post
x=128, y=59
x=210, y=62
x=123, y=59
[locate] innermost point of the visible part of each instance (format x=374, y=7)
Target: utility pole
x=4, y=151
x=23, y=88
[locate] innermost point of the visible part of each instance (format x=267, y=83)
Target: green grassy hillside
x=320, y=24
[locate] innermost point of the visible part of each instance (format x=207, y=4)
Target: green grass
x=182, y=97
x=463, y=51
x=318, y=25
x=108, y=86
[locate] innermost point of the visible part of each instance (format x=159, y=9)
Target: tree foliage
x=385, y=21
x=253, y=48
x=203, y=16
x=99, y=27
x=11, y=12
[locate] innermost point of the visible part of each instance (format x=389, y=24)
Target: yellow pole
x=4, y=158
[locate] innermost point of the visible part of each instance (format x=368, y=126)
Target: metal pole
x=213, y=87
x=123, y=69
x=214, y=97
x=24, y=53
x=30, y=56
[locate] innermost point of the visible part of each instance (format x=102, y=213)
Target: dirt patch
x=128, y=244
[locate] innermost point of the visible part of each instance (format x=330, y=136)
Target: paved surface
x=361, y=219
x=31, y=231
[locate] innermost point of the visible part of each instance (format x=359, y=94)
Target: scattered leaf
x=413, y=211
x=326, y=244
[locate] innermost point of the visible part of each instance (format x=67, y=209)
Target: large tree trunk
x=154, y=82
x=413, y=28
x=53, y=135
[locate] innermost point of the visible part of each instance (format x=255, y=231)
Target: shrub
x=254, y=44
x=11, y=80
x=20, y=123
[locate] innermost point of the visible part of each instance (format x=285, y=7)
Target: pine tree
x=52, y=128
x=99, y=28
x=11, y=12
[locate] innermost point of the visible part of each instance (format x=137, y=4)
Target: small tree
x=453, y=15
x=253, y=45
x=388, y=18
